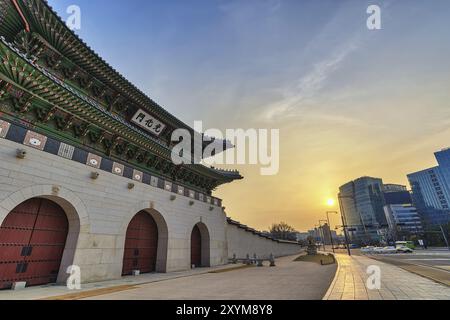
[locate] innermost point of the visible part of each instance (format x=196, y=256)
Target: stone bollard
x=19, y=285
x=272, y=260
x=234, y=260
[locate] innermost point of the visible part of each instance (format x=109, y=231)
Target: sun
x=330, y=202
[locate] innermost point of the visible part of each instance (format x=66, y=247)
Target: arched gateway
x=141, y=244
x=32, y=240
x=196, y=247
x=200, y=246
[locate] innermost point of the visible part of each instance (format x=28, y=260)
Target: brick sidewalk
x=396, y=283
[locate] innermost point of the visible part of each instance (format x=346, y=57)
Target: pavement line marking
x=91, y=293
x=231, y=269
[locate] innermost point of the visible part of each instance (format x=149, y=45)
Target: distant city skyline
x=349, y=102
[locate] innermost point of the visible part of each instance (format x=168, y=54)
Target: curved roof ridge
x=114, y=71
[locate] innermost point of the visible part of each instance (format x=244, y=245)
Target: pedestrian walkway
x=58, y=290
x=289, y=279
x=396, y=284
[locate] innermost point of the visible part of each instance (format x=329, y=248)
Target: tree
x=282, y=231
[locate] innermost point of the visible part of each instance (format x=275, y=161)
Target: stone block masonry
x=100, y=210
x=242, y=240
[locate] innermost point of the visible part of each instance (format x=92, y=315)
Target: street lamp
x=329, y=228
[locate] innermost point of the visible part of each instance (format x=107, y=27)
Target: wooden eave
x=46, y=22
x=32, y=80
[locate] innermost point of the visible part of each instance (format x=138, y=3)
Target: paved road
x=432, y=257
x=289, y=280
x=438, y=259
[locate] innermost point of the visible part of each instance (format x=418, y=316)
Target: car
x=377, y=250
x=389, y=249
x=368, y=249
x=384, y=250
x=404, y=249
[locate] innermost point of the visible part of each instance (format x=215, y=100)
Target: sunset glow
x=344, y=110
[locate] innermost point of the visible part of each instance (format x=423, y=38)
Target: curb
x=330, y=288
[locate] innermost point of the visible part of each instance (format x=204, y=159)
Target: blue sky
x=348, y=101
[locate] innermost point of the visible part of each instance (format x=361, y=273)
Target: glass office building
x=431, y=190
x=362, y=206
x=443, y=159
x=403, y=218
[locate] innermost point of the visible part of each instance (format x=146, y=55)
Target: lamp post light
x=329, y=227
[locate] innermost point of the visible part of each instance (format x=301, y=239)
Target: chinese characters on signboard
x=148, y=122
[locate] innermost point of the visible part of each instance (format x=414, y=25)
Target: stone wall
x=99, y=212
x=242, y=241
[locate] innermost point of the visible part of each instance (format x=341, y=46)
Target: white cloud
x=309, y=85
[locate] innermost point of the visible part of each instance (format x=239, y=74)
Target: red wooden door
x=32, y=240
x=141, y=244
x=196, y=247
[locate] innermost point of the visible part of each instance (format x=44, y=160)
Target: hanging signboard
x=148, y=122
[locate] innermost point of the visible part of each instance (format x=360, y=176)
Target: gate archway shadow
x=162, y=239
x=204, y=244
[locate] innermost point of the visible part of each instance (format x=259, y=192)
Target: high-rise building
x=401, y=216
x=325, y=232
x=362, y=206
x=391, y=187
x=443, y=159
x=431, y=190
x=397, y=197
x=403, y=220
x=316, y=234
